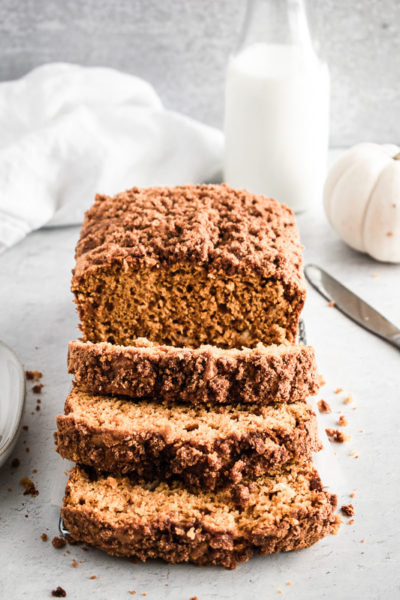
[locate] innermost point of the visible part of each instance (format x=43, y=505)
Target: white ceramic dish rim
x=12, y=425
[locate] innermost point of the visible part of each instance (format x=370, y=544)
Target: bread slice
x=285, y=511
x=261, y=375
x=205, y=447
x=189, y=265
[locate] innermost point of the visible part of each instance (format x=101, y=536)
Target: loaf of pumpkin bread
x=187, y=266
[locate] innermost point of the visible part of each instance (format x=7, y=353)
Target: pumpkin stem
x=397, y=156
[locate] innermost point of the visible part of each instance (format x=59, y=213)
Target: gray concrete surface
x=182, y=46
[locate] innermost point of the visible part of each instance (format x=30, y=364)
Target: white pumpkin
x=362, y=199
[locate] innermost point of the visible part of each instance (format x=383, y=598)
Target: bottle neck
x=276, y=22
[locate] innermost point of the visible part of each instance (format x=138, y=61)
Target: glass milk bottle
x=277, y=107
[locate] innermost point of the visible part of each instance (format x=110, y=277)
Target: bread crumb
x=37, y=388
x=348, y=510
x=354, y=453
x=30, y=488
x=363, y=541
x=342, y=421
x=331, y=303
x=323, y=406
x=350, y=522
x=44, y=537
x=321, y=381
x=25, y=427
x=389, y=233
x=338, y=390
x=352, y=495
x=194, y=598
x=336, y=435
x=95, y=577
x=349, y=399
x=33, y=375
x=75, y=563
x=59, y=542
x=15, y=463
x=288, y=583
x=59, y=592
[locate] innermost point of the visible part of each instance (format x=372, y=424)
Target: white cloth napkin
x=68, y=132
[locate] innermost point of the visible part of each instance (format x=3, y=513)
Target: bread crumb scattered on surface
x=331, y=303
x=37, y=388
x=59, y=592
x=33, y=375
x=343, y=422
x=349, y=399
x=352, y=495
x=350, y=522
x=44, y=537
x=336, y=435
x=75, y=563
x=59, y=542
x=15, y=463
x=338, y=390
x=25, y=427
x=323, y=406
x=94, y=577
x=363, y=541
x=348, y=510
x=30, y=488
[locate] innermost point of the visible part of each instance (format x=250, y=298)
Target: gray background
x=182, y=46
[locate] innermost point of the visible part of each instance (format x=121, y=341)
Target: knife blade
x=352, y=305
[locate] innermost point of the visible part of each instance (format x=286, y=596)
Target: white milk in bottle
x=277, y=108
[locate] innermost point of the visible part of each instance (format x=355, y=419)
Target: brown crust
x=262, y=375
x=152, y=447
x=211, y=225
x=176, y=538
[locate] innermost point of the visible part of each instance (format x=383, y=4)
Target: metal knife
x=351, y=305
